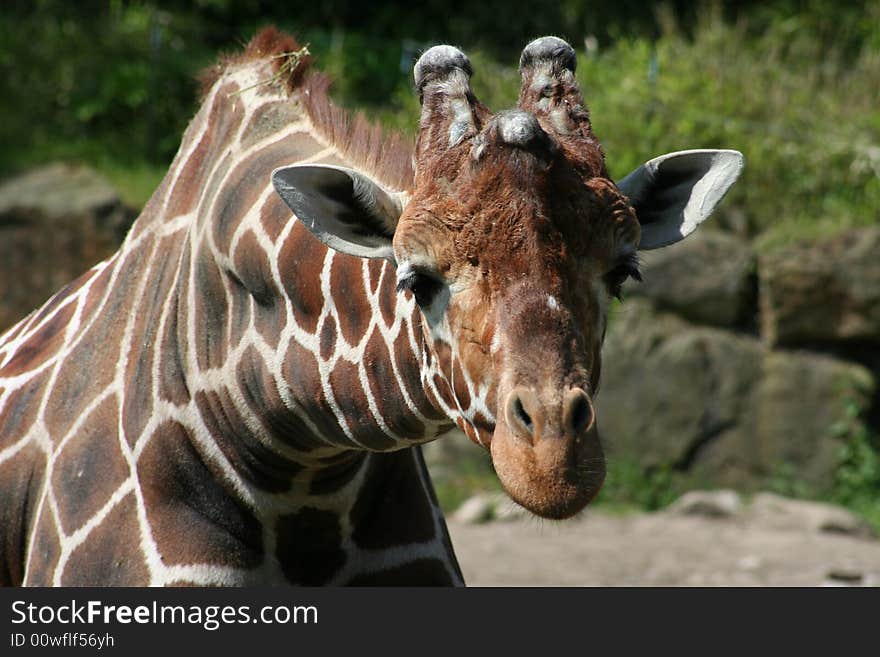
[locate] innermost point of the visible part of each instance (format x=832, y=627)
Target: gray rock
x=826, y=291
x=506, y=510
x=710, y=504
x=718, y=408
x=678, y=396
x=750, y=562
x=57, y=190
x=844, y=576
x=486, y=507
x=55, y=223
x=477, y=509
x=707, y=278
x=802, y=399
x=781, y=513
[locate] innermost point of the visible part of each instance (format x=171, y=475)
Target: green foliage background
x=794, y=85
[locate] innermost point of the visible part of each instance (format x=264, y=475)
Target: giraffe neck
x=216, y=401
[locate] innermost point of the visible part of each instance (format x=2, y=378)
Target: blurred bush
x=791, y=84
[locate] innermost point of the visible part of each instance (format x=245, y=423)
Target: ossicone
x=450, y=111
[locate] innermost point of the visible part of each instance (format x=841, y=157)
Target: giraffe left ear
x=341, y=207
x=674, y=193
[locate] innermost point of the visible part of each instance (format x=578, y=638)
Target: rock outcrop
x=708, y=278
x=826, y=291
x=719, y=407
x=55, y=223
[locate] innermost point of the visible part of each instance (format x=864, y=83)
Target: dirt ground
x=665, y=549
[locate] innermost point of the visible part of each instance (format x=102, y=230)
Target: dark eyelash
x=627, y=267
x=423, y=286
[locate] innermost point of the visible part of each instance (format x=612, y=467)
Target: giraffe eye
x=627, y=267
x=424, y=286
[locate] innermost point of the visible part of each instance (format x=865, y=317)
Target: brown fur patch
x=444, y=390
x=250, y=458
x=264, y=401
x=383, y=385
x=193, y=518
x=274, y=216
x=240, y=309
x=300, y=262
x=41, y=345
x=410, y=371
x=211, y=310
x=45, y=549
x=111, y=556
x=352, y=401
x=388, y=298
x=20, y=411
x=327, y=342
x=309, y=546
x=395, y=508
x=254, y=271
x=350, y=297
x=376, y=268
x=89, y=468
x=137, y=398
x=300, y=371
x=21, y=480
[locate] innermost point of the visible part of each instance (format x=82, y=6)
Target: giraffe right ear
x=674, y=193
x=341, y=207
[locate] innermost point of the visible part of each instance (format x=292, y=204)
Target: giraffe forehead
x=514, y=178
x=513, y=228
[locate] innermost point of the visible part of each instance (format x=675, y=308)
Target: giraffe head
x=511, y=243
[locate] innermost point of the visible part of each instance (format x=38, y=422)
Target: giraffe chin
x=554, y=478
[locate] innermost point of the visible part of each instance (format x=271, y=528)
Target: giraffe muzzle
x=547, y=453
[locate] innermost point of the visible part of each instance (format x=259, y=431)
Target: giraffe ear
x=343, y=208
x=674, y=193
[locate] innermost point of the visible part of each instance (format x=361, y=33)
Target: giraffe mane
x=268, y=43
x=386, y=155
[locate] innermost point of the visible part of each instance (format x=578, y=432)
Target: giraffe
x=238, y=395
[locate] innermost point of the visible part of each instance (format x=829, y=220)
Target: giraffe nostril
x=520, y=421
x=522, y=415
x=578, y=413
x=579, y=416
